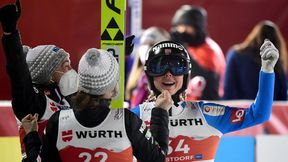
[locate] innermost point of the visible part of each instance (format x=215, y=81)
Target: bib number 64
x=180, y=147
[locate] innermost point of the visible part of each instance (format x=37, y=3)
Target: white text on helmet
x=165, y=45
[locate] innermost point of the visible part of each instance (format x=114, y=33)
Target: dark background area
x=75, y=24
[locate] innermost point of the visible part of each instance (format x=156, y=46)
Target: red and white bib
x=107, y=142
x=190, y=137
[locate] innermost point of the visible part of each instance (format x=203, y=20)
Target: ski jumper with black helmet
x=195, y=128
x=168, y=56
x=149, y=37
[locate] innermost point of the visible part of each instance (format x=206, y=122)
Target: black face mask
x=105, y=102
x=188, y=39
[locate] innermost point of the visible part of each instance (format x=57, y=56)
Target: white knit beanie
x=98, y=72
x=43, y=60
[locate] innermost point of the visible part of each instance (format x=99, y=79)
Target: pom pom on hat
x=42, y=62
x=26, y=49
x=98, y=72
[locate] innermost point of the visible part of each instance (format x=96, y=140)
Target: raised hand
x=269, y=56
x=9, y=16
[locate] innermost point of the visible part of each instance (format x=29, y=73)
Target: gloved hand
x=9, y=16
x=129, y=45
x=269, y=56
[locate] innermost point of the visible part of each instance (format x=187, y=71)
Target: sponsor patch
x=147, y=123
x=214, y=110
x=53, y=107
x=166, y=45
x=67, y=135
x=198, y=156
x=237, y=115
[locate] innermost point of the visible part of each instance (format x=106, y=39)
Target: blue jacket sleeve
x=136, y=110
x=233, y=119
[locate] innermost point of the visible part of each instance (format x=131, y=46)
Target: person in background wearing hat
x=189, y=29
x=137, y=85
x=195, y=128
x=91, y=130
x=41, y=78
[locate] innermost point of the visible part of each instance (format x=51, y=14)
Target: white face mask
x=68, y=83
x=142, y=53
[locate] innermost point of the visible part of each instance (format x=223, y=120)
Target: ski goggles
x=161, y=65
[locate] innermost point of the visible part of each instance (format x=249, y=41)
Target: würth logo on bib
x=185, y=122
x=99, y=134
x=67, y=135
x=237, y=115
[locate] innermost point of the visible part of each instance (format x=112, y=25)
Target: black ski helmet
x=195, y=16
x=167, y=50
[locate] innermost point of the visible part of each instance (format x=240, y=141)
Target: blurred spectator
x=137, y=85
x=243, y=64
x=189, y=28
x=195, y=88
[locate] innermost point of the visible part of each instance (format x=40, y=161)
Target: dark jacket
x=26, y=97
